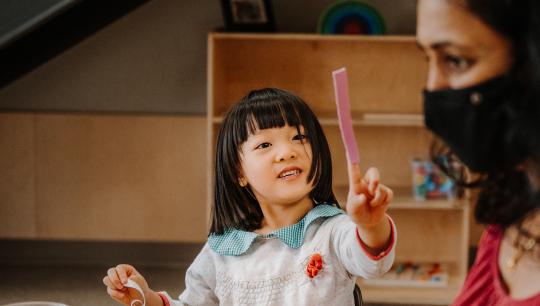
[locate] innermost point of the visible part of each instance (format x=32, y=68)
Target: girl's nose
x=286, y=154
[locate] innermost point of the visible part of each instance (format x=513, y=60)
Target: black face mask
x=471, y=121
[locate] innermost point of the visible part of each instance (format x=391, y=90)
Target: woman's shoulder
x=494, y=229
x=492, y=233
x=489, y=243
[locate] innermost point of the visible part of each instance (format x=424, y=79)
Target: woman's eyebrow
x=442, y=45
x=435, y=46
x=445, y=44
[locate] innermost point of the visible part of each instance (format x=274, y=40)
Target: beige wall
x=102, y=176
x=133, y=176
x=17, y=188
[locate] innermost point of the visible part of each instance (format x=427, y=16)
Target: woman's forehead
x=450, y=23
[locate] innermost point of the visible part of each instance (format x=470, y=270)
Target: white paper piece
x=132, y=284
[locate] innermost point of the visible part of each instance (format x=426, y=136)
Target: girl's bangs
x=274, y=114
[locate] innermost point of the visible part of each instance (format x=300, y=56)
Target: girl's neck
x=279, y=216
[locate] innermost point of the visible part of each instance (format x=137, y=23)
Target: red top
x=483, y=285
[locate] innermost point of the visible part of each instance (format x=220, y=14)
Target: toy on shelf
x=410, y=274
x=351, y=17
x=430, y=182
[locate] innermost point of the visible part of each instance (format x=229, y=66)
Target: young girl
x=278, y=236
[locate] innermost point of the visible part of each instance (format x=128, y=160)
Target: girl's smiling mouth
x=289, y=173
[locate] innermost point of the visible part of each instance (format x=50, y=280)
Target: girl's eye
x=457, y=63
x=300, y=137
x=263, y=145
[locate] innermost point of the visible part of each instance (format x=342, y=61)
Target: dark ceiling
x=33, y=32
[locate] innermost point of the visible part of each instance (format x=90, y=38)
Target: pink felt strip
x=341, y=89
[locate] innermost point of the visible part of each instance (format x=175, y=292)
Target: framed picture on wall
x=248, y=15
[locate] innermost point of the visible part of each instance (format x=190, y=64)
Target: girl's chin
x=292, y=199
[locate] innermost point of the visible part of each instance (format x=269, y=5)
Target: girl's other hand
x=117, y=277
x=368, y=199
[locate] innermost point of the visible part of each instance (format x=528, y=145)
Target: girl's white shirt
x=271, y=273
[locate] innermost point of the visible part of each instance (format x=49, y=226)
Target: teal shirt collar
x=235, y=242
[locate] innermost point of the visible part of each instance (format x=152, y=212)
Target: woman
x=482, y=99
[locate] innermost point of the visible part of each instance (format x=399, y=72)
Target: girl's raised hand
x=117, y=277
x=368, y=199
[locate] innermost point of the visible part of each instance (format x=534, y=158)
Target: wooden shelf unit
x=386, y=77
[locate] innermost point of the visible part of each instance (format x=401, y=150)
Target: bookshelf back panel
x=380, y=70
x=390, y=149
x=429, y=235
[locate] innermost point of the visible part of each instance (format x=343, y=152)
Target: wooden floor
x=75, y=286
x=78, y=285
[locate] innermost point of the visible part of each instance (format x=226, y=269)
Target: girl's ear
x=242, y=181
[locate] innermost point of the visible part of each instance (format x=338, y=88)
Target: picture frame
x=248, y=15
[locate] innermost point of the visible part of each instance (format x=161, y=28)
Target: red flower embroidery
x=315, y=265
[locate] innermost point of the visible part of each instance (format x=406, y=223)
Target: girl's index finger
x=356, y=183
x=372, y=178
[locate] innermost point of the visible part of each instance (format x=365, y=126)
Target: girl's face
x=275, y=164
x=461, y=49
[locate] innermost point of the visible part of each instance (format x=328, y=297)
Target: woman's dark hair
x=236, y=206
x=506, y=195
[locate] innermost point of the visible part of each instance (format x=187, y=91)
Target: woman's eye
x=457, y=63
x=300, y=137
x=263, y=145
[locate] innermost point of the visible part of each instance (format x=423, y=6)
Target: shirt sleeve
x=352, y=253
x=200, y=283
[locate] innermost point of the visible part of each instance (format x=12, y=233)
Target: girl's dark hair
x=236, y=206
x=506, y=195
